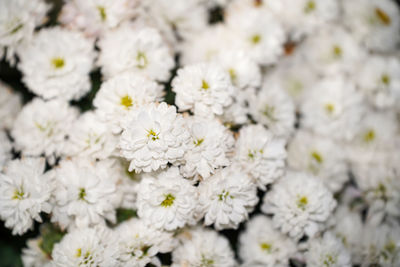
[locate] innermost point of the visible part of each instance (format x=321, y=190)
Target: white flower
x=260, y=154
x=142, y=51
x=226, y=198
x=18, y=20
x=10, y=106
x=167, y=201
x=154, y=136
x=24, y=193
x=56, y=64
x=374, y=22
x=33, y=255
x=318, y=156
x=333, y=108
x=261, y=244
x=123, y=93
x=41, y=127
x=327, y=251
x=85, y=193
x=300, y=204
x=204, y=88
x=5, y=149
x=258, y=33
x=273, y=108
x=86, y=247
x=203, y=247
x=138, y=243
x=379, y=79
x=208, y=149
x=94, y=17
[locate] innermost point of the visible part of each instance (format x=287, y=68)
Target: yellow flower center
x=383, y=16
x=232, y=74
x=302, y=202
x=255, y=39
x=337, y=52
x=329, y=108
x=82, y=194
x=385, y=79
x=153, y=135
x=204, y=85
x=168, y=201
x=102, y=12
x=266, y=247
x=18, y=194
x=141, y=60
x=369, y=136
x=310, y=6
x=317, y=157
x=126, y=101
x=58, y=62
x=198, y=142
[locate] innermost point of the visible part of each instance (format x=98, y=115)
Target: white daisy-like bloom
x=90, y=137
x=304, y=17
x=56, y=64
x=85, y=193
x=260, y=154
x=258, y=33
x=140, y=50
x=123, y=93
x=10, y=106
x=327, y=251
x=139, y=243
x=260, y=244
x=373, y=22
x=95, y=246
x=274, y=108
x=25, y=193
x=94, y=17
x=47, y=124
x=333, y=50
x=33, y=255
x=333, y=108
x=208, y=149
x=381, y=245
x=379, y=79
x=318, y=156
x=237, y=113
x=154, y=136
x=18, y=20
x=182, y=20
x=203, y=247
x=226, y=198
x=204, y=88
x=348, y=228
x=167, y=201
x=300, y=204
x=5, y=149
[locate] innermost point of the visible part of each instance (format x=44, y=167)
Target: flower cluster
x=152, y=133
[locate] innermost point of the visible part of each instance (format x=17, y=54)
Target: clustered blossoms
x=202, y=132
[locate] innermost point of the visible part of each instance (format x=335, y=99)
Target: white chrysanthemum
x=327, y=251
x=379, y=79
x=203, y=247
x=273, y=108
x=153, y=137
x=10, y=106
x=304, y=17
x=5, y=149
x=260, y=154
x=258, y=33
x=138, y=243
x=94, y=17
x=167, y=201
x=56, y=64
x=333, y=108
x=374, y=22
x=140, y=50
x=33, y=255
x=333, y=50
x=18, y=20
x=381, y=245
x=85, y=193
x=261, y=244
x=86, y=247
x=203, y=88
x=90, y=137
x=300, y=204
x=226, y=198
x=208, y=149
x=182, y=20
x=24, y=193
x=320, y=157
x=47, y=124
x=123, y=93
